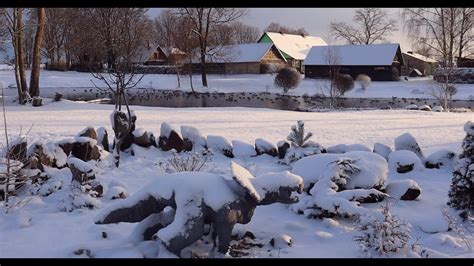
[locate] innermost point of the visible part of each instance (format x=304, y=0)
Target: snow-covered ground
x=413, y=88
x=40, y=229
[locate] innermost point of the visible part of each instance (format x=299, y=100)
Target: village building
x=417, y=65
x=294, y=47
x=248, y=58
x=150, y=55
x=379, y=61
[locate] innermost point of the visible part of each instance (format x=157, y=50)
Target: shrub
x=343, y=83
x=287, y=78
x=363, y=80
x=189, y=162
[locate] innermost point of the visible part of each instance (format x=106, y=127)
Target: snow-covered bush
x=461, y=192
x=363, y=80
x=384, y=235
x=343, y=83
x=297, y=135
x=186, y=162
x=287, y=78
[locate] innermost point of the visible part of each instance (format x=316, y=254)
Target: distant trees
x=275, y=27
x=370, y=25
x=244, y=33
x=448, y=32
x=204, y=22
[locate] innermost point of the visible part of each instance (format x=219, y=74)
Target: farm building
x=465, y=62
x=174, y=56
x=293, y=47
x=248, y=58
x=379, y=61
x=150, y=55
x=414, y=61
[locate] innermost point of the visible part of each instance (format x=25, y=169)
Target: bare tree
x=15, y=26
x=35, y=68
x=332, y=59
x=165, y=28
x=370, y=25
x=244, y=33
x=276, y=27
x=122, y=32
x=204, y=24
x=466, y=32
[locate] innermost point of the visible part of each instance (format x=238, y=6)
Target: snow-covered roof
x=354, y=55
x=171, y=50
x=296, y=46
x=144, y=53
x=420, y=57
x=242, y=53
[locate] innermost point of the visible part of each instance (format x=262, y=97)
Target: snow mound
x=403, y=161
x=166, y=129
x=219, y=143
x=116, y=192
x=373, y=168
x=281, y=241
x=411, y=107
x=437, y=108
x=82, y=166
x=194, y=135
x=139, y=132
x=343, y=148
x=243, y=149
x=271, y=182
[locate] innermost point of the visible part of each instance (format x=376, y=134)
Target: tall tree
x=243, y=33
x=35, y=68
x=205, y=21
x=276, y=27
x=371, y=25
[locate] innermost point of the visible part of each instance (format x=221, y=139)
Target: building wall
x=411, y=63
x=242, y=68
x=380, y=73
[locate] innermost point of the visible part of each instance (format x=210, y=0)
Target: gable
x=292, y=46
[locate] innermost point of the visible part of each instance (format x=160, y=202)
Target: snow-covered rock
x=281, y=241
x=243, y=149
x=438, y=108
x=49, y=154
x=441, y=159
x=373, y=169
x=408, y=142
x=343, y=148
x=265, y=147
x=103, y=138
x=283, y=147
x=220, y=144
x=424, y=107
x=170, y=138
x=88, y=132
x=193, y=139
x=143, y=138
x=411, y=107
x=116, y=192
x=382, y=150
x=406, y=189
x=403, y=161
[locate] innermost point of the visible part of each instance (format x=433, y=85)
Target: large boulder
x=406, y=189
x=86, y=149
x=46, y=154
x=193, y=139
x=408, y=142
x=264, y=147
x=103, y=138
x=88, y=132
x=143, y=138
x=404, y=161
x=243, y=149
x=83, y=173
x=382, y=150
x=343, y=148
x=283, y=147
x=440, y=159
x=221, y=145
x=170, y=138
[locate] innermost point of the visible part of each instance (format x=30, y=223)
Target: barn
x=293, y=47
x=379, y=61
x=247, y=58
x=414, y=61
x=150, y=55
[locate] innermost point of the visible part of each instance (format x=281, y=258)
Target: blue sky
x=315, y=20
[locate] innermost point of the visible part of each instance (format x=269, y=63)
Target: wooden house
x=294, y=47
x=248, y=58
x=150, y=55
x=423, y=64
x=379, y=61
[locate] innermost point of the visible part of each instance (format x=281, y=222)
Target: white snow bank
x=373, y=168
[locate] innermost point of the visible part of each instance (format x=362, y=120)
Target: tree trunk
x=21, y=55
x=35, y=69
x=203, y=68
